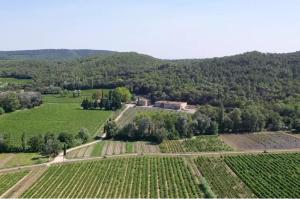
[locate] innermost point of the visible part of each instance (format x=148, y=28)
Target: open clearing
x=270, y=175
x=106, y=147
x=142, y=177
x=69, y=97
x=202, y=143
x=54, y=118
x=257, y=141
x=8, y=160
x=5, y=81
x=7, y=180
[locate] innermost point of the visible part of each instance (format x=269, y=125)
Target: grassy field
x=269, y=175
x=202, y=143
x=224, y=183
x=6, y=81
x=7, y=180
x=69, y=97
x=8, y=160
x=143, y=177
x=51, y=117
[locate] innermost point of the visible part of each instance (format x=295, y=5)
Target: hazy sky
x=161, y=28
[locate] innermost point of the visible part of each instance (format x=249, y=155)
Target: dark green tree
x=36, y=143
x=24, y=141
x=67, y=139
x=83, y=135
x=111, y=129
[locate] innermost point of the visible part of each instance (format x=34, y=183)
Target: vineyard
x=203, y=143
x=264, y=141
x=104, y=148
x=269, y=175
x=143, y=177
x=224, y=183
x=7, y=180
x=131, y=113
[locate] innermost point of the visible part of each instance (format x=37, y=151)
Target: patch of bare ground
x=261, y=141
x=18, y=189
x=117, y=148
x=138, y=147
x=110, y=148
x=103, y=152
x=6, y=159
x=89, y=151
x=81, y=152
x=150, y=148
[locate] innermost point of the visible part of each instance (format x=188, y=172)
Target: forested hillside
x=250, y=76
x=49, y=54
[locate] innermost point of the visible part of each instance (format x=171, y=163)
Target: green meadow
x=4, y=81
x=69, y=97
x=63, y=115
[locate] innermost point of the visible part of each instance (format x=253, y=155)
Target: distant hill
x=50, y=54
x=237, y=79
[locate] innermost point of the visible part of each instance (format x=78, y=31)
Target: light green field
x=54, y=118
x=8, y=160
x=69, y=97
x=5, y=81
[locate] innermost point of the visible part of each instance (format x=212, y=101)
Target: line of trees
x=48, y=144
x=11, y=101
x=156, y=126
x=111, y=101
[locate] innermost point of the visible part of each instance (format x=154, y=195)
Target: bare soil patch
x=261, y=141
x=6, y=158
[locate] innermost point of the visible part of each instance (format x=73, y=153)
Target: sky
x=170, y=29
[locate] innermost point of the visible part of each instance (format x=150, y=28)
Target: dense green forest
x=265, y=85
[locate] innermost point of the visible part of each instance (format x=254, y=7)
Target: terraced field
x=269, y=176
x=143, y=177
x=7, y=180
x=203, y=143
x=224, y=183
x=262, y=141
